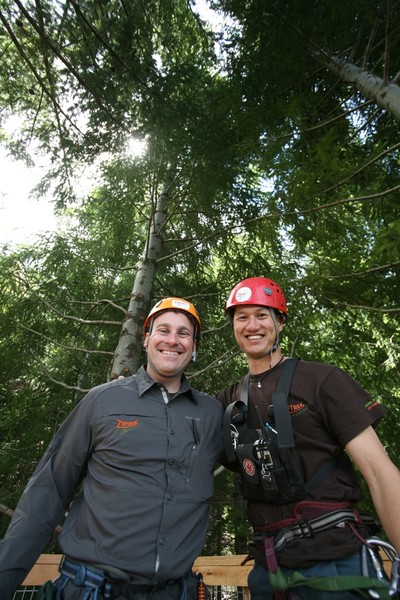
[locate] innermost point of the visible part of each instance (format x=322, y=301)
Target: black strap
x=280, y=404
x=226, y=430
x=244, y=389
x=282, y=421
x=281, y=411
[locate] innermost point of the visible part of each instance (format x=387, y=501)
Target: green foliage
x=279, y=169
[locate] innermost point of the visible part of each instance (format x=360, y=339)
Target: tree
x=264, y=157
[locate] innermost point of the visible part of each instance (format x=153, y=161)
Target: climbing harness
x=311, y=518
x=98, y=583
x=93, y=580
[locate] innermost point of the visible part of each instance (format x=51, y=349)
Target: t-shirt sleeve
x=348, y=408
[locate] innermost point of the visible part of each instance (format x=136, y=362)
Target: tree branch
x=34, y=71
x=72, y=348
x=63, y=59
x=370, y=308
x=63, y=315
x=365, y=272
x=109, y=48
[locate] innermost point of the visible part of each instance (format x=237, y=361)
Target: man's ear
x=146, y=337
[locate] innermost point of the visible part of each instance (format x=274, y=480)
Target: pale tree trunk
x=386, y=95
x=127, y=355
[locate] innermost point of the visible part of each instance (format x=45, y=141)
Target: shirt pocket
x=123, y=437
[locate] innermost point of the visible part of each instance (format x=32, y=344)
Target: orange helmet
x=180, y=305
x=260, y=291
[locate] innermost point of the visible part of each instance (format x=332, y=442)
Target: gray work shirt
x=146, y=463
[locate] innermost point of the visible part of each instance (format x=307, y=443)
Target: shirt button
x=170, y=498
x=162, y=541
x=171, y=462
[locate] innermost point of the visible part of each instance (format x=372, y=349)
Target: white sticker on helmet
x=180, y=304
x=243, y=294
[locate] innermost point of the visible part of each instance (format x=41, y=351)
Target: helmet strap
x=276, y=327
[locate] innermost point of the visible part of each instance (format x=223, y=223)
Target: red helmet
x=260, y=291
x=180, y=305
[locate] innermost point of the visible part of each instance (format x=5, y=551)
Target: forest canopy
x=271, y=135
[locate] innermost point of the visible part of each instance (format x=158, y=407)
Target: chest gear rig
x=264, y=456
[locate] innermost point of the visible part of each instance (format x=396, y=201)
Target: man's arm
x=382, y=478
x=45, y=499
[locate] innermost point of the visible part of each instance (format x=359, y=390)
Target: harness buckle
x=305, y=528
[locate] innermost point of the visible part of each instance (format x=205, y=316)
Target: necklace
x=259, y=379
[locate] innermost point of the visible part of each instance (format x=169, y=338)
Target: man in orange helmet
x=142, y=451
x=289, y=428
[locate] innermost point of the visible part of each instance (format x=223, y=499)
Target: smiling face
x=255, y=333
x=169, y=348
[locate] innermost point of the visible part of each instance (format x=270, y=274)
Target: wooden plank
x=46, y=568
x=226, y=559
x=224, y=570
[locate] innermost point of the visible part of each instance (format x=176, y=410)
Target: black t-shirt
x=328, y=409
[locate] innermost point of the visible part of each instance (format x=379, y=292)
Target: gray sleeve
x=46, y=497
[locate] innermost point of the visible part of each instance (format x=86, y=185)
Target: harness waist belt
x=308, y=527
x=87, y=575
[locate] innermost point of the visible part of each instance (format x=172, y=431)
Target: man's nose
x=252, y=323
x=172, y=337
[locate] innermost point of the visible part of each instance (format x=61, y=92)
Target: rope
x=339, y=583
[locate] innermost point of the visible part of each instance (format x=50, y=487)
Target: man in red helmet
x=140, y=452
x=290, y=427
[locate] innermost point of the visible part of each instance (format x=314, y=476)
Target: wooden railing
x=216, y=570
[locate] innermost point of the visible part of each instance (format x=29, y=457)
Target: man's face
x=169, y=345
x=254, y=330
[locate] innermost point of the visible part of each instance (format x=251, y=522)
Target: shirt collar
x=145, y=382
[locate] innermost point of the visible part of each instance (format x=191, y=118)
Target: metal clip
x=262, y=453
x=391, y=553
x=394, y=577
x=234, y=436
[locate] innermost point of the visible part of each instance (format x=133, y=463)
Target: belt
x=304, y=528
x=85, y=576
x=92, y=577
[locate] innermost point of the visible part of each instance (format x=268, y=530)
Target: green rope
x=334, y=584
x=46, y=591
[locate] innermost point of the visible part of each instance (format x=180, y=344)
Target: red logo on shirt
x=296, y=408
x=249, y=467
x=370, y=405
x=127, y=424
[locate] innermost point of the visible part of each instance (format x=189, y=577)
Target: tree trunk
x=387, y=95
x=127, y=355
